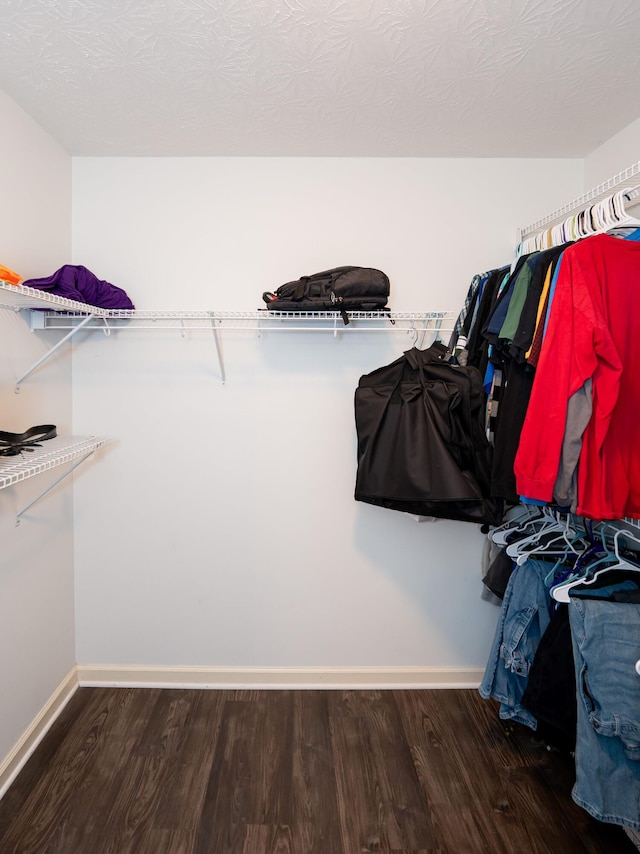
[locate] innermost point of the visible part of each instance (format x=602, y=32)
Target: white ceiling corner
x=437, y=78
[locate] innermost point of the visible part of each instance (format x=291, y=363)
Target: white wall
x=36, y=558
x=221, y=529
x=614, y=156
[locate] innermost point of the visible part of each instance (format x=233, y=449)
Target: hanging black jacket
x=421, y=442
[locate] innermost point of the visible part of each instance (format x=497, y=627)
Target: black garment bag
x=421, y=442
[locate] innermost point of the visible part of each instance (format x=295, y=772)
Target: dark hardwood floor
x=145, y=771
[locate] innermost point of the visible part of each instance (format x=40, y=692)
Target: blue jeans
x=525, y=614
x=606, y=646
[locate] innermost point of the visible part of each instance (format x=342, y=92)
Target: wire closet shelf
x=53, y=453
x=53, y=312
x=63, y=453
x=626, y=182
x=260, y=321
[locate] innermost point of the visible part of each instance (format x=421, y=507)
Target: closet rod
x=628, y=177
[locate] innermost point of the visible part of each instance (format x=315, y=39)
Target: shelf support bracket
x=50, y=352
x=425, y=328
x=40, y=495
x=218, y=343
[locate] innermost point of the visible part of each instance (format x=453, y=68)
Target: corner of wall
x=36, y=563
x=613, y=156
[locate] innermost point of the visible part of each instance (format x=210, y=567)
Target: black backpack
x=340, y=289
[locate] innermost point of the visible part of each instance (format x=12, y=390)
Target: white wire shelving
x=53, y=453
x=627, y=179
x=55, y=313
x=247, y=320
x=19, y=297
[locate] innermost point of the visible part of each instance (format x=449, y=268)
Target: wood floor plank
x=182, y=799
x=360, y=805
x=230, y=800
x=456, y=823
x=314, y=780
x=273, y=759
x=268, y=839
x=163, y=841
x=406, y=814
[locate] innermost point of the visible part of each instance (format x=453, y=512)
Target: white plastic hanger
x=620, y=199
x=557, y=235
x=561, y=591
x=565, y=542
x=527, y=513
x=623, y=563
x=605, y=214
x=548, y=524
x=602, y=216
x=581, y=225
x=531, y=529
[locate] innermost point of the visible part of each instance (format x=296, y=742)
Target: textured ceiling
x=324, y=77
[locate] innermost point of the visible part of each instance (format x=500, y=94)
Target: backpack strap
x=301, y=288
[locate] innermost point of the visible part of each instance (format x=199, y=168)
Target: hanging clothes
x=591, y=334
x=498, y=342
x=550, y=692
x=522, y=339
x=465, y=318
x=576, y=341
x=605, y=648
x=524, y=617
x=476, y=349
x=517, y=382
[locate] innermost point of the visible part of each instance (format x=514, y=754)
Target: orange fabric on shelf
x=9, y=276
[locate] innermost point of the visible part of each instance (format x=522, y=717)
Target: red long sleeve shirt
x=593, y=332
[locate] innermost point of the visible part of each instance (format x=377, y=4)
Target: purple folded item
x=80, y=284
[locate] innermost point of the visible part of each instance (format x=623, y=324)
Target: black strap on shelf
x=11, y=444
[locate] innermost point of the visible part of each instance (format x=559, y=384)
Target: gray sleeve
x=579, y=408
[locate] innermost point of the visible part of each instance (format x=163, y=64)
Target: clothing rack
x=582, y=217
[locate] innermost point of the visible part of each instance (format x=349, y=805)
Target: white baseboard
x=35, y=732
x=132, y=676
